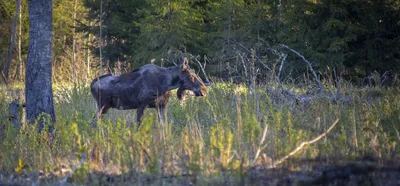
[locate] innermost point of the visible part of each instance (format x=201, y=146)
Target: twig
x=62, y=182
x=304, y=144
x=260, y=147
x=309, y=65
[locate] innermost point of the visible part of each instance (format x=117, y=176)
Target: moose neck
x=173, y=77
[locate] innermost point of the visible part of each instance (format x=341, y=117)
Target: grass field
x=234, y=136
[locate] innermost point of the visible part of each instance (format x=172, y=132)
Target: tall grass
x=212, y=139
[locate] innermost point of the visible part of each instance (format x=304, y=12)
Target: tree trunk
x=18, y=72
x=38, y=90
x=101, y=39
x=10, y=52
x=74, y=65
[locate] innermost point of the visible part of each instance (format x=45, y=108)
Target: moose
x=146, y=87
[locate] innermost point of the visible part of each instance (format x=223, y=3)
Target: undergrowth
x=204, y=138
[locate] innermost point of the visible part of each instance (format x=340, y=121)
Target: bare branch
x=309, y=65
x=304, y=144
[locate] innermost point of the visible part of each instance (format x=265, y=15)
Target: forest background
x=352, y=37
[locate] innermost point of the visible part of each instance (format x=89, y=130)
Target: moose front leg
x=139, y=114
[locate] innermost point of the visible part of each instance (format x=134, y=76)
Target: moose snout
x=202, y=91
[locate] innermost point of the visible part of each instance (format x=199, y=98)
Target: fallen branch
x=304, y=144
x=62, y=182
x=309, y=65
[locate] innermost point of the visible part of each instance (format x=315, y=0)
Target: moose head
x=188, y=80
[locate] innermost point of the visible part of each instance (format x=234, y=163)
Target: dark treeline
x=353, y=36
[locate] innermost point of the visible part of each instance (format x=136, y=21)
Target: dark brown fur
x=147, y=86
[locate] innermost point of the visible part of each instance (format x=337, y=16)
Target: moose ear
x=185, y=64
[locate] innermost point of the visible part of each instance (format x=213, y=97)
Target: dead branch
x=309, y=65
x=201, y=67
x=258, y=59
x=63, y=181
x=304, y=144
